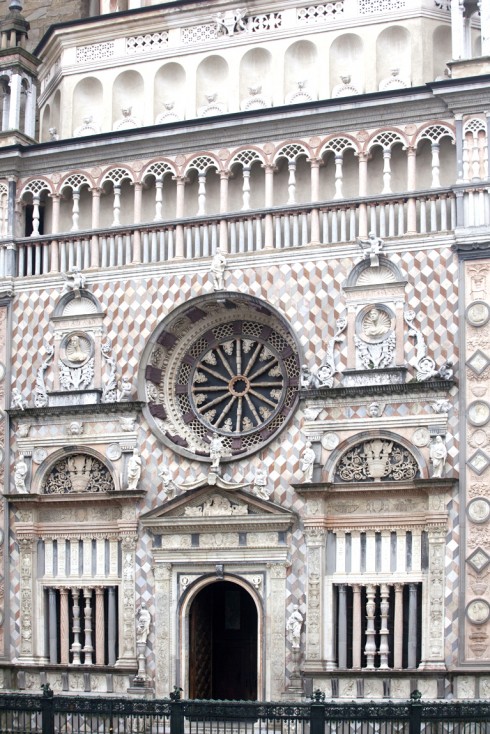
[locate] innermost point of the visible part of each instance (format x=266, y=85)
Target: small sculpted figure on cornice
x=20, y=474
x=230, y=21
x=134, y=469
x=438, y=455
x=259, y=486
x=18, y=400
x=371, y=248
x=308, y=462
x=217, y=270
x=75, y=281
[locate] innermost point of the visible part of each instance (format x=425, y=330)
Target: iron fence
x=49, y=714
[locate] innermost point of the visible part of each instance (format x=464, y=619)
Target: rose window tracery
x=78, y=473
x=377, y=460
x=229, y=368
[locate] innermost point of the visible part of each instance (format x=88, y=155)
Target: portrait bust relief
x=76, y=349
x=375, y=324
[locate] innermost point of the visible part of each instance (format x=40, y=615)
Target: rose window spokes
x=78, y=473
x=378, y=460
x=238, y=385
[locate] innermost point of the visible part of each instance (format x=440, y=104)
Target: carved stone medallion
x=478, y=611
x=114, y=452
x=421, y=437
x=75, y=349
x=39, y=455
x=479, y=413
x=330, y=441
x=478, y=313
x=478, y=510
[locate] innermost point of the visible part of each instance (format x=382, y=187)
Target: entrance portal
x=223, y=643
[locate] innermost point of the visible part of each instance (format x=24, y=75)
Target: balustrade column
x=223, y=208
x=138, y=200
x=201, y=193
x=15, y=92
x=315, y=196
x=53, y=627
x=339, y=159
x=64, y=628
x=116, y=206
x=94, y=246
x=475, y=159
x=356, y=626
x=76, y=646
x=436, y=182
x=180, y=182
x=384, y=649
x=363, y=217
x=158, y=199
x=411, y=226
x=55, y=228
x=398, y=636
x=386, y=171
x=99, y=626
x=370, y=645
x=342, y=628
x=246, y=188
x=269, y=203
x=75, y=210
x=412, y=626
x=111, y=627
x=88, y=647
x=292, y=182
x=35, y=215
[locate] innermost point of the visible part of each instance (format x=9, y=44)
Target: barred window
x=81, y=625
x=378, y=625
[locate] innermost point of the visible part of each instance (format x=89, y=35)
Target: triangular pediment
x=210, y=505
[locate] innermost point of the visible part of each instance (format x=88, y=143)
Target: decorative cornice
x=404, y=388
x=445, y=484
x=61, y=410
x=117, y=496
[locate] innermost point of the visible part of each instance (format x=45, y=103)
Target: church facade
x=245, y=349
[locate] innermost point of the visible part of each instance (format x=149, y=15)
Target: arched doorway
x=223, y=643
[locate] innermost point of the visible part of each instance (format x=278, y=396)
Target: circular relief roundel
x=229, y=366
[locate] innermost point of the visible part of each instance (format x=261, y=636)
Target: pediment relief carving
x=210, y=505
x=216, y=505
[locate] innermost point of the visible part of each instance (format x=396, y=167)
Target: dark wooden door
x=223, y=643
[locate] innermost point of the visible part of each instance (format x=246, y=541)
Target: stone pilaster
x=276, y=636
x=127, y=645
x=315, y=541
x=164, y=678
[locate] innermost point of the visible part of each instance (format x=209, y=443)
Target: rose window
x=238, y=385
x=231, y=369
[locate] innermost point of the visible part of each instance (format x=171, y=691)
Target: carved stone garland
x=377, y=459
x=78, y=473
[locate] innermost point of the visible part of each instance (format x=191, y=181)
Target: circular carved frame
x=226, y=364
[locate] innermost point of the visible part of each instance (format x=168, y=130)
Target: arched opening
x=223, y=626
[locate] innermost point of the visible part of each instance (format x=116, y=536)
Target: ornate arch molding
x=75, y=471
x=380, y=456
x=227, y=364
x=77, y=303
x=387, y=272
